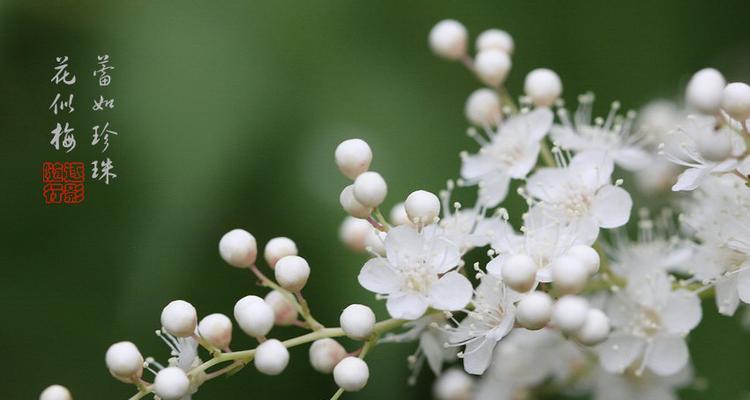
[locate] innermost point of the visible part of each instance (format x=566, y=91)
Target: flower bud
x=351, y=374
x=495, y=39
x=179, y=318
x=277, y=248
x=704, y=90
x=124, y=361
x=398, y=215
x=216, y=329
x=714, y=145
x=171, y=383
x=285, y=313
x=271, y=357
x=519, y=272
x=370, y=189
x=453, y=384
x=56, y=392
x=543, y=86
x=325, y=354
x=422, y=207
x=448, y=39
x=595, y=329
x=569, y=313
x=569, y=274
x=238, y=248
x=534, y=310
x=292, y=273
x=351, y=205
x=353, y=233
x=254, y=316
x=483, y=108
x=735, y=100
x=357, y=321
x=587, y=255
x=492, y=66
x=353, y=157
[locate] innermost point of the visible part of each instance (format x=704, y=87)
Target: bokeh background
x=228, y=113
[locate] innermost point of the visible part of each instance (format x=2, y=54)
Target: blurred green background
x=228, y=113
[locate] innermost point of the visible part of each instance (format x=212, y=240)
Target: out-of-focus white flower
x=650, y=321
x=431, y=337
x=510, y=153
x=627, y=386
x=418, y=272
x=703, y=149
x=582, y=194
x=613, y=136
x=544, y=239
x=453, y=384
x=491, y=318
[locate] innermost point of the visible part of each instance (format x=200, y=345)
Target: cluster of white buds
x=565, y=298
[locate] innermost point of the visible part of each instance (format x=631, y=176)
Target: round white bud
x=704, y=90
x=587, y=255
x=271, y=357
x=543, y=86
x=569, y=274
x=357, y=321
x=56, y=392
x=292, y=273
x=325, y=354
x=735, y=100
x=179, y=318
x=351, y=374
x=448, y=39
x=398, y=215
x=453, y=384
x=495, y=39
x=595, y=329
x=714, y=145
x=171, y=383
x=238, y=248
x=216, y=329
x=285, y=313
x=492, y=66
x=351, y=205
x=370, y=189
x=519, y=272
x=124, y=361
x=277, y=248
x=422, y=207
x=375, y=241
x=569, y=313
x=353, y=233
x=534, y=310
x=254, y=316
x=483, y=108
x=353, y=157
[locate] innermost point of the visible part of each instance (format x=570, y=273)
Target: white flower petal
x=533, y=125
x=743, y=285
x=378, y=277
x=475, y=166
x=690, y=179
x=619, y=351
x=727, y=298
x=451, y=292
x=432, y=347
x=402, y=244
x=612, y=206
x=478, y=355
x=667, y=355
x=406, y=305
x=495, y=266
x=682, y=312
x=633, y=158
x=493, y=189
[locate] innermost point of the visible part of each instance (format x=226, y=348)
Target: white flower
x=431, y=337
x=703, y=150
x=613, y=136
x=544, y=239
x=650, y=321
x=511, y=152
x=608, y=386
x=418, y=272
x=581, y=193
x=491, y=318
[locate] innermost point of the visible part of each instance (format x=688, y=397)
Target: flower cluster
x=560, y=299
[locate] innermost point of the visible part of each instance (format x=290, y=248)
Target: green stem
x=547, y=157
